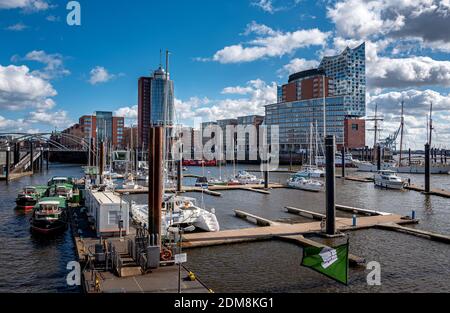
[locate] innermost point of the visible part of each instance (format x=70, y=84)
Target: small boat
x=388, y=179
x=309, y=171
x=244, y=178
x=178, y=211
x=49, y=216
x=59, y=180
x=303, y=183
x=364, y=166
x=29, y=196
x=62, y=190
x=202, y=182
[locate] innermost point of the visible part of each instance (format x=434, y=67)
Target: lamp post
x=120, y=216
x=180, y=231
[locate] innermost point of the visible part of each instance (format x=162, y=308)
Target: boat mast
x=310, y=143
x=402, y=123
x=316, y=152
x=375, y=126
x=431, y=123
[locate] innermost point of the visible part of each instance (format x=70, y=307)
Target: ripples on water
x=409, y=264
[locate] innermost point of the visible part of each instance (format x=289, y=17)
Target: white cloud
x=59, y=119
x=128, y=112
x=269, y=43
x=28, y=5
x=99, y=74
x=17, y=27
x=416, y=107
x=54, y=64
x=265, y=5
x=297, y=65
x=408, y=72
x=420, y=20
x=20, y=89
x=251, y=100
x=53, y=18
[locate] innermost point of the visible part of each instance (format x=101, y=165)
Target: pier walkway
x=269, y=232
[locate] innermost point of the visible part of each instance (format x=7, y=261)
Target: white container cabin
x=106, y=211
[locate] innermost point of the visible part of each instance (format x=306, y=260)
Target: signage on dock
x=180, y=258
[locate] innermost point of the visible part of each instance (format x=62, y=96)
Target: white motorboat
x=308, y=171
x=113, y=175
x=302, y=183
x=364, y=166
x=179, y=211
x=244, y=177
x=388, y=179
x=349, y=161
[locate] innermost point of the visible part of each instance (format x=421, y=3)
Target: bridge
x=22, y=154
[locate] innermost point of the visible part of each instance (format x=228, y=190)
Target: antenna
x=160, y=57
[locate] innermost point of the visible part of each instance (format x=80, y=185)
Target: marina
x=235, y=232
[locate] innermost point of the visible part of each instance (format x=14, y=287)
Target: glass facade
x=295, y=119
x=104, y=125
x=162, y=111
x=346, y=99
x=348, y=71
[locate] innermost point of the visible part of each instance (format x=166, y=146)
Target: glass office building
x=162, y=100
x=348, y=71
x=338, y=85
x=104, y=126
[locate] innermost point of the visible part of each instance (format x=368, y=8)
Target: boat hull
x=421, y=169
x=48, y=228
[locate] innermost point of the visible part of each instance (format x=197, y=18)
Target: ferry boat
x=302, y=183
x=29, y=196
x=49, y=216
x=388, y=179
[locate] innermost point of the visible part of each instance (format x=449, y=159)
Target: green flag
x=332, y=262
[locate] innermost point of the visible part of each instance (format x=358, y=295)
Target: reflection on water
x=411, y=264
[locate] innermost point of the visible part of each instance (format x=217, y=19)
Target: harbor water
x=408, y=263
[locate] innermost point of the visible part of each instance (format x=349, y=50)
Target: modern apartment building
x=103, y=126
x=155, y=103
x=333, y=95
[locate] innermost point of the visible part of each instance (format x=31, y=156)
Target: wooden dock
x=305, y=213
x=433, y=192
x=415, y=232
x=211, y=190
x=269, y=232
x=15, y=176
x=260, y=221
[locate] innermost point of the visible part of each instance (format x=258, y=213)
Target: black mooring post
x=343, y=161
x=378, y=157
x=179, y=176
x=8, y=151
x=16, y=154
x=41, y=160
x=330, y=185
x=409, y=156
x=427, y=167
x=31, y=157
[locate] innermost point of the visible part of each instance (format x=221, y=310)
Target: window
x=354, y=126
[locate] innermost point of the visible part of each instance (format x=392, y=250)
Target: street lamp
x=178, y=257
x=120, y=216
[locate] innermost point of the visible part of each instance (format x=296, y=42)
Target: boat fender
x=191, y=276
x=166, y=255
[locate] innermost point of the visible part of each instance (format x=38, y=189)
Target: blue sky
x=227, y=56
